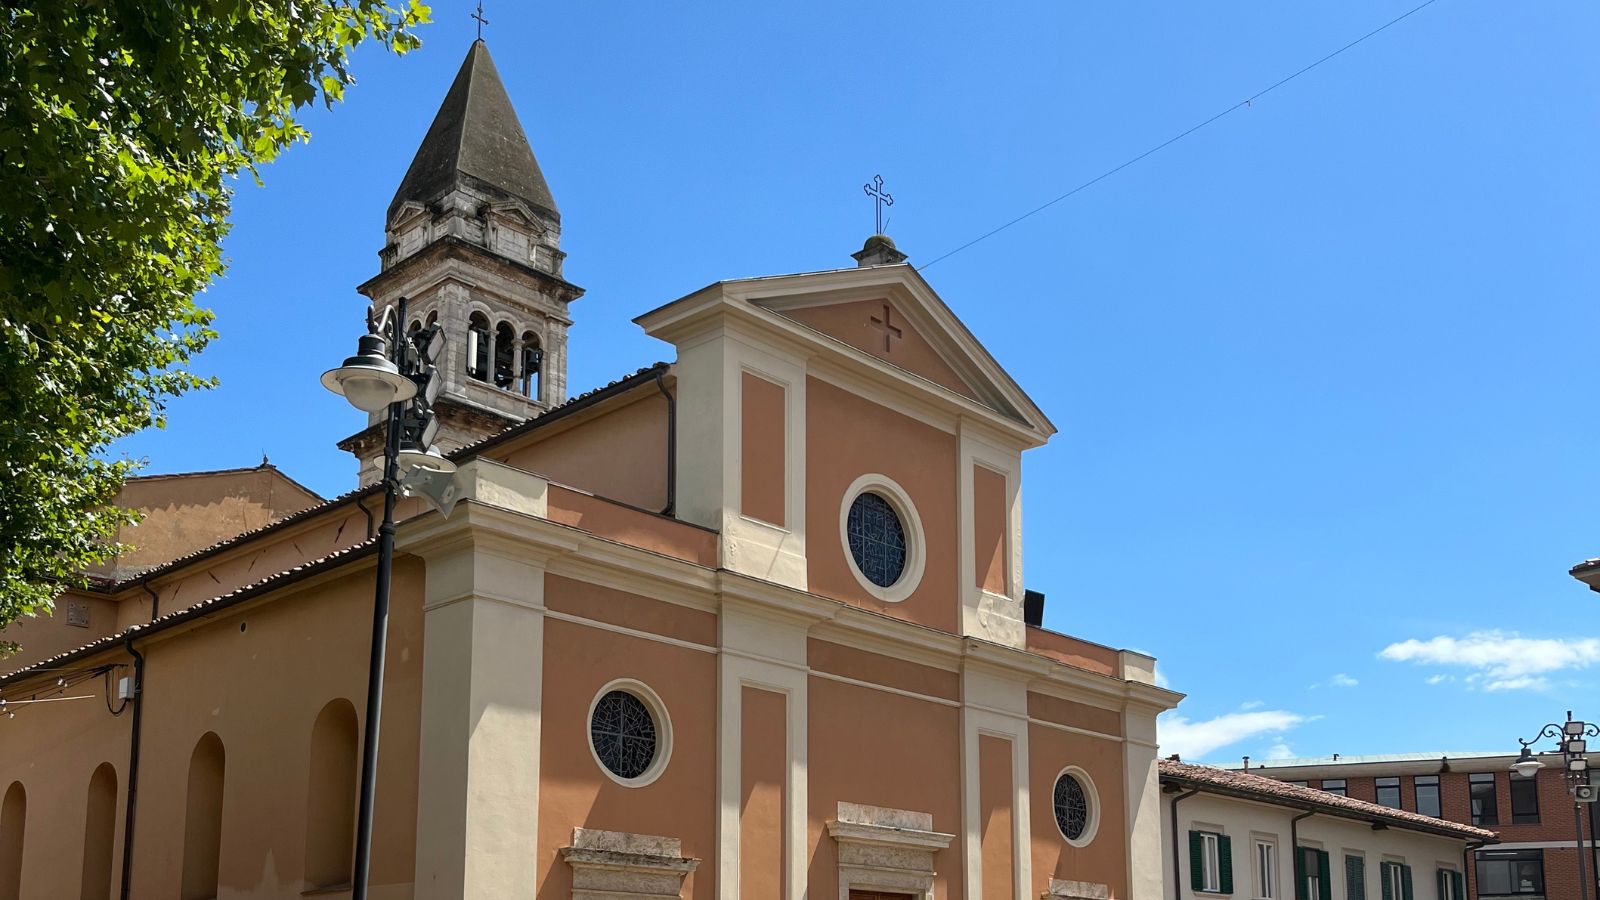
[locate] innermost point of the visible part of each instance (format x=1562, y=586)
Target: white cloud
x=1500, y=660
x=1251, y=704
x=1342, y=680
x=1194, y=740
x=1440, y=679
x=1280, y=750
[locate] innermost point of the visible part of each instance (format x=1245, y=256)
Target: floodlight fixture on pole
x=1571, y=738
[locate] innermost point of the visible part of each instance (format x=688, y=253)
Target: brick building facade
x=1537, y=857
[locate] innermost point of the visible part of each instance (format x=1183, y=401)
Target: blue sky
x=1322, y=370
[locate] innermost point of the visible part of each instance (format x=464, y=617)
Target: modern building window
x=13, y=826
x=1388, y=792
x=1485, y=809
x=1335, y=786
x=1396, y=881
x=1427, y=787
x=1210, y=862
x=202, y=822
x=1266, y=870
x=1297, y=783
x=1355, y=878
x=331, y=796
x=1312, y=881
x=1504, y=873
x=1525, y=801
x=99, y=834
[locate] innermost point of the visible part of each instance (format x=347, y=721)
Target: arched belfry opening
x=473, y=242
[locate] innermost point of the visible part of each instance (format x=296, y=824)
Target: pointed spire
x=476, y=138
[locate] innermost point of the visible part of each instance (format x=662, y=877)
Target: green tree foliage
x=122, y=126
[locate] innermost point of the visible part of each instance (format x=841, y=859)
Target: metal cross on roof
x=880, y=199
x=481, y=20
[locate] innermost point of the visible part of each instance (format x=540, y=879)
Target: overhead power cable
x=1248, y=101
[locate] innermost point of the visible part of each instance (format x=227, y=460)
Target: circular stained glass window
x=1072, y=807
x=877, y=539
x=624, y=734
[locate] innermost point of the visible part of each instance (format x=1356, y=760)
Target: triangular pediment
x=894, y=317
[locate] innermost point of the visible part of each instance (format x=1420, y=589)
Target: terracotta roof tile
x=1270, y=790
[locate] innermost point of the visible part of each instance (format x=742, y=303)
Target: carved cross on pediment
x=887, y=328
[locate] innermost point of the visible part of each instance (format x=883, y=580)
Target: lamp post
x=405, y=387
x=1573, y=736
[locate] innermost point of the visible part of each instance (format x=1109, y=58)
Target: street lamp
x=406, y=386
x=1572, y=736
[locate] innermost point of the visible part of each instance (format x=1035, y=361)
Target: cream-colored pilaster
x=985, y=614
x=762, y=646
x=709, y=371
x=994, y=701
x=478, y=788
x=1143, y=788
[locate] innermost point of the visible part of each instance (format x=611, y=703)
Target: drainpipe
x=133, y=767
x=1294, y=847
x=1177, y=858
x=155, y=601
x=672, y=443
x=1466, y=854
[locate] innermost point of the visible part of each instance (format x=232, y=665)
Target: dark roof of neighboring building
x=475, y=135
x=1268, y=790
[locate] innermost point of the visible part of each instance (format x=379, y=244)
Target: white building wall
x=1246, y=822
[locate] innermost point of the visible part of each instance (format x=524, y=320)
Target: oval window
x=624, y=734
x=877, y=539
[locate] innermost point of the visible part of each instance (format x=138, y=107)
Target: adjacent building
x=1234, y=834
x=1537, y=857
x=749, y=623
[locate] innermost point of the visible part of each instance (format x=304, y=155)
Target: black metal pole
x=1583, y=874
x=380, y=632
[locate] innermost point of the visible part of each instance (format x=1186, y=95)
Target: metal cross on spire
x=481, y=20
x=880, y=199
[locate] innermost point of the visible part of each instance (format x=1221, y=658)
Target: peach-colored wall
x=258, y=677
x=614, y=607
x=618, y=452
x=578, y=661
x=631, y=526
x=881, y=749
x=1073, y=652
x=763, y=733
x=996, y=811
x=852, y=323
x=1105, y=859
x=989, y=529
x=848, y=436
x=837, y=659
x=47, y=634
x=185, y=513
x=762, y=462
x=259, y=688
x=1074, y=714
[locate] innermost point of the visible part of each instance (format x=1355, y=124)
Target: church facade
x=747, y=624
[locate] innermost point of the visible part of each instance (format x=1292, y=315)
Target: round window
x=1072, y=807
x=877, y=539
x=624, y=734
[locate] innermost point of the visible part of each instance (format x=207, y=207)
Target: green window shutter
x=1197, y=861
x=1405, y=882
x=1387, y=883
x=1225, y=864
x=1440, y=884
x=1324, y=882
x=1355, y=878
x=1300, y=874
x=1460, y=882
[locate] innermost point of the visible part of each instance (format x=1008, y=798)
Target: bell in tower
x=473, y=241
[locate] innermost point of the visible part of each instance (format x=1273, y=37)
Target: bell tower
x=473, y=241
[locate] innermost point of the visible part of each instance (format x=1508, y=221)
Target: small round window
x=877, y=539
x=1072, y=807
x=624, y=733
